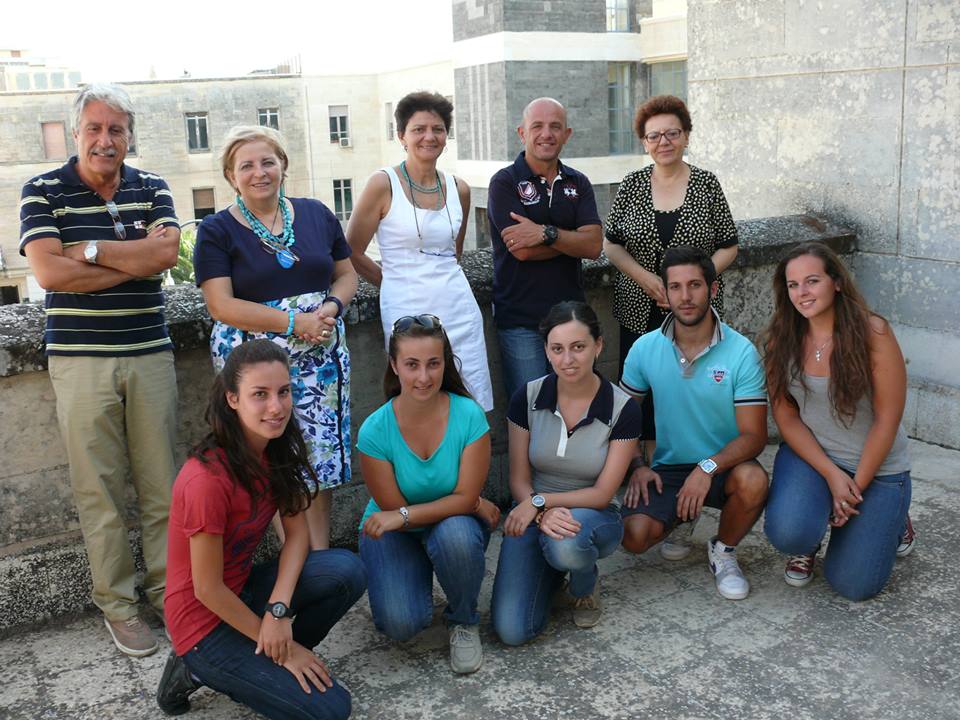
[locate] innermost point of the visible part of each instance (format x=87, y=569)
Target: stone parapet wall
x=43, y=568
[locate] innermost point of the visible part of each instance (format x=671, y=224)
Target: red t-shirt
x=206, y=499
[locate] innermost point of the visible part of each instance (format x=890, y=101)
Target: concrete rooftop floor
x=668, y=646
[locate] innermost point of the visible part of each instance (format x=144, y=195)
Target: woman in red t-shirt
x=249, y=632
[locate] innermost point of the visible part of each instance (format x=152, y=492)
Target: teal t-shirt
x=420, y=480
x=695, y=409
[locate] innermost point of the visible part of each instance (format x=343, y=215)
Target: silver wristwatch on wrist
x=90, y=252
x=708, y=466
x=405, y=514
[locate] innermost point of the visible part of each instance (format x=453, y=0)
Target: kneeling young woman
x=838, y=385
x=425, y=456
x=572, y=436
x=250, y=632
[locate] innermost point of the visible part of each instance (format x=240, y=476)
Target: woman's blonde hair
x=240, y=135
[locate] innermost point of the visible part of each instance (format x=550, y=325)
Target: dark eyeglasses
x=654, y=137
x=118, y=229
x=404, y=323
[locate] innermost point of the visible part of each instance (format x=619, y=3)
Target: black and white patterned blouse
x=705, y=222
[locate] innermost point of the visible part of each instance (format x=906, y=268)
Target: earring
x=404, y=147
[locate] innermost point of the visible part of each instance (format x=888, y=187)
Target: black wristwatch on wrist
x=277, y=610
x=550, y=234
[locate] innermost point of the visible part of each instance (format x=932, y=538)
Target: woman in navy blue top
x=278, y=268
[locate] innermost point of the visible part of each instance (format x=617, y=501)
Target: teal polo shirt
x=696, y=401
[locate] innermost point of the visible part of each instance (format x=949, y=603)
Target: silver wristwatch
x=90, y=252
x=405, y=514
x=708, y=466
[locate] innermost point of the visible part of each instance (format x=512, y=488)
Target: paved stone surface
x=667, y=646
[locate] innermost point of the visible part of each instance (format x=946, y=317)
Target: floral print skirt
x=320, y=378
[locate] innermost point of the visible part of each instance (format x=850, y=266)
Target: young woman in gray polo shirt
x=572, y=436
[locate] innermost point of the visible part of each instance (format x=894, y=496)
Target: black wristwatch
x=550, y=234
x=278, y=610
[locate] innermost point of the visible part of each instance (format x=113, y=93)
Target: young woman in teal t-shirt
x=425, y=456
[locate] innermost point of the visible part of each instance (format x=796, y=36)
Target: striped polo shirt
x=126, y=319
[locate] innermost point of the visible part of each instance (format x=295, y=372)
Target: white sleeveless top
x=421, y=275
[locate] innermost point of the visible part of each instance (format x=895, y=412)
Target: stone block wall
x=849, y=109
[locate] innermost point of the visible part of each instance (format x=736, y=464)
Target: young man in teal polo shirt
x=711, y=417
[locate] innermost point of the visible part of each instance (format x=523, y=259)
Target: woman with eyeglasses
x=250, y=632
x=425, y=456
x=662, y=205
x=278, y=268
x=572, y=437
x=420, y=218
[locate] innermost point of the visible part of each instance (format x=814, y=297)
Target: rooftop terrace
x=667, y=646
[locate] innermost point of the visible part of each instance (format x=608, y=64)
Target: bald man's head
x=544, y=131
x=543, y=101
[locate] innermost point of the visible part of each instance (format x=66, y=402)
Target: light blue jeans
x=400, y=568
x=522, y=357
x=860, y=555
x=532, y=567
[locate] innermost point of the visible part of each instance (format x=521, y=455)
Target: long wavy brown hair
x=288, y=461
x=850, y=368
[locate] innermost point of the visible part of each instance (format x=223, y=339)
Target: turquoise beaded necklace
x=279, y=245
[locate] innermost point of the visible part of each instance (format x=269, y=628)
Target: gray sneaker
x=676, y=545
x=587, y=610
x=466, y=651
x=132, y=636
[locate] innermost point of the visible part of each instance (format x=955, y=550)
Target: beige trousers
x=118, y=414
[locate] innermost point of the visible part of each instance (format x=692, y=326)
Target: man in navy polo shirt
x=543, y=220
x=98, y=234
x=711, y=416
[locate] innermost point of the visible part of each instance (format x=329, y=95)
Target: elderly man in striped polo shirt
x=98, y=234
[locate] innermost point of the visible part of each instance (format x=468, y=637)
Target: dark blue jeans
x=400, y=568
x=532, y=567
x=523, y=357
x=330, y=583
x=859, y=558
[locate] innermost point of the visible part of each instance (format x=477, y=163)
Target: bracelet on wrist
x=336, y=301
x=292, y=315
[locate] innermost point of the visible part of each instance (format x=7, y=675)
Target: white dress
x=425, y=277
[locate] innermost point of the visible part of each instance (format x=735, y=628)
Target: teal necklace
x=279, y=245
x=420, y=188
x=438, y=188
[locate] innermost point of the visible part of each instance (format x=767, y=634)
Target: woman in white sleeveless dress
x=420, y=217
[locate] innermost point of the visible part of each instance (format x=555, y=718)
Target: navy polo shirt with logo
x=126, y=319
x=523, y=292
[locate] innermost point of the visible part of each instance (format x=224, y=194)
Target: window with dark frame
x=203, y=203
x=339, y=129
x=269, y=117
x=197, y=138
x=343, y=199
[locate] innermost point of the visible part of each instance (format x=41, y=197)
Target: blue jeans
x=860, y=555
x=522, y=357
x=331, y=581
x=532, y=567
x=400, y=568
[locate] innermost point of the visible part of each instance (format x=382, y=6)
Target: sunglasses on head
x=404, y=323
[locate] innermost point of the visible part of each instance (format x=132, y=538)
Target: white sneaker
x=731, y=582
x=676, y=545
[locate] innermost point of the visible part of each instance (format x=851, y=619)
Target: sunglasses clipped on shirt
x=430, y=322
x=118, y=229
